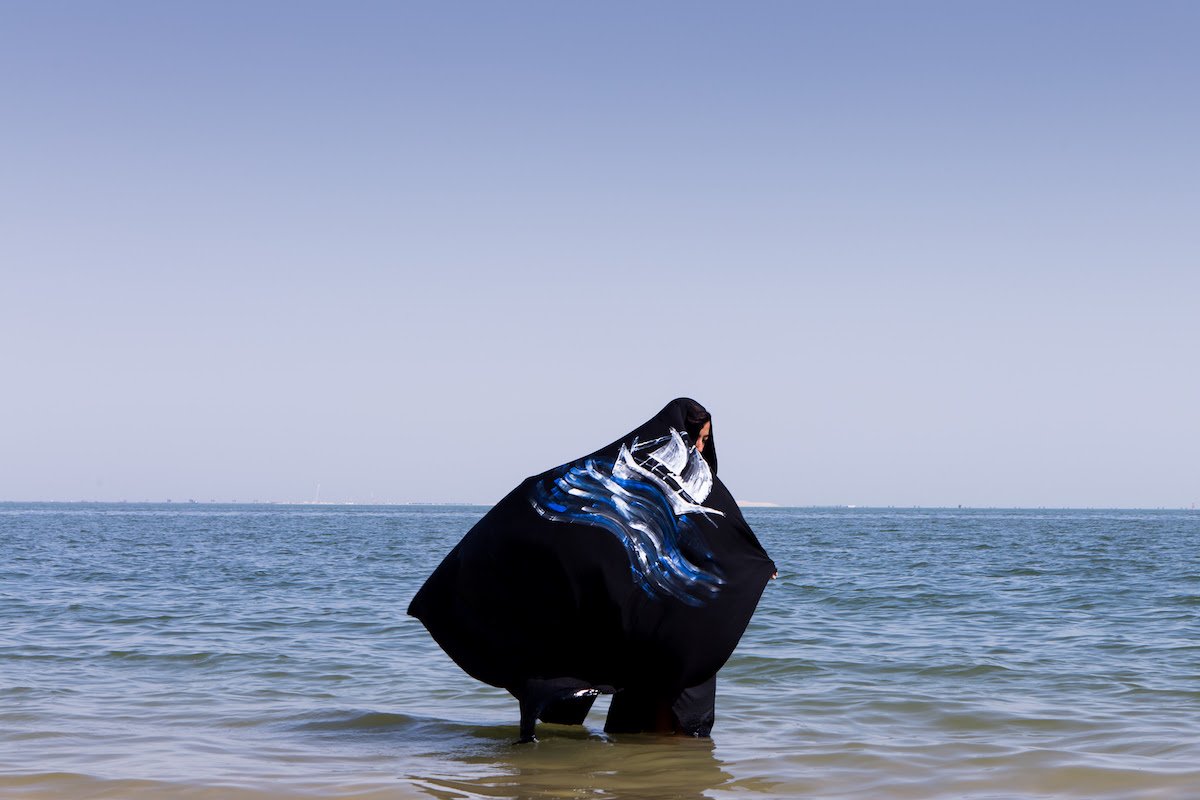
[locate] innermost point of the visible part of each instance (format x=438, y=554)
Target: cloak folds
x=630, y=569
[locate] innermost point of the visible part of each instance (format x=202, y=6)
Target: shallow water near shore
x=209, y=651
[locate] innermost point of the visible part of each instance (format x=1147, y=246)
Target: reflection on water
x=580, y=762
x=449, y=759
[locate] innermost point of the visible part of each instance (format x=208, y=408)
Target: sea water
x=208, y=651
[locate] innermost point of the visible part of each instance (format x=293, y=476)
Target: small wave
x=199, y=658
x=142, y=620
x=64, y=785
x=966, y=671
x=1017, y=572
x=407, y=727
x=360, y=721
x=754, y=669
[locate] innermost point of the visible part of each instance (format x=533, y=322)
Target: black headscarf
x=631, y=566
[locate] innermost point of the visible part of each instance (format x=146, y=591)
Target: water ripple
x=248, y=652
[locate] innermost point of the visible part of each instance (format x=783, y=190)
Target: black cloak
x=630, y=569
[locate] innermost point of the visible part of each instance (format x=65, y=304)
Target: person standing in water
x=691, y=711
x=628, y=570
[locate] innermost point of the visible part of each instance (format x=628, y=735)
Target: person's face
x=702, y=438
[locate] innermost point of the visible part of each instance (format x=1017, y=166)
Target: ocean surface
x=208, y=651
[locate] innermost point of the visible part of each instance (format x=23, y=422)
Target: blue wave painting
x=663, y=548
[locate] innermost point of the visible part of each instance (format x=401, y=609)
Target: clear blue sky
x=907, y=253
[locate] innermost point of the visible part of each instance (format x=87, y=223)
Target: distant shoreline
x=753, y=504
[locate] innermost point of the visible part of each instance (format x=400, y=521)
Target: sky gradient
x=907, y=254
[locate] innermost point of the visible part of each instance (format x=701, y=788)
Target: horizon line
x=754, y=505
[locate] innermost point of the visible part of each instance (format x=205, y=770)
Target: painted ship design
x=673, y=465
x=649, y=498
